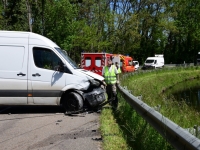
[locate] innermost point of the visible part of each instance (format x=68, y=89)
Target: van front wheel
x=73, y=102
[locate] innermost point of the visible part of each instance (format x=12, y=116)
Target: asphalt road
x=47, y=128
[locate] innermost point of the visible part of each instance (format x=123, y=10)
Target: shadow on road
x=6, y=109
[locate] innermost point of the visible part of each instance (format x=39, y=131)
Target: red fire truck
x=96, y=61
x=126, y=62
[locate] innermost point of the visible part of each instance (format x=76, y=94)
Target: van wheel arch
x=72, y=101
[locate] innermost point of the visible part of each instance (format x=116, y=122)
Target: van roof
x=159, y=55
x=34, y=38
x=155, y=58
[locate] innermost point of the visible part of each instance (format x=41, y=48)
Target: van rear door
x=93, y=62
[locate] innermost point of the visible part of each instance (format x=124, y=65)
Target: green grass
x=125, y=129
x=112, y=135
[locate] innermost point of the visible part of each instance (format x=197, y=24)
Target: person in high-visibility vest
x=111, y=76
x=118, y=67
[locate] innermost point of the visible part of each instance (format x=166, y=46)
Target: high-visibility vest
x=119, y=70
x=110, y=77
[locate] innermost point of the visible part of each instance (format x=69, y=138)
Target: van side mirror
x=59, y=67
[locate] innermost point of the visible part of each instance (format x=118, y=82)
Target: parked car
x=136, y=64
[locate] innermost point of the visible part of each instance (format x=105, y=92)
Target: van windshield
x=149, y=61
x=67, y=58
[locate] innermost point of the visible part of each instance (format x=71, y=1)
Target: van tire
x=73, y=102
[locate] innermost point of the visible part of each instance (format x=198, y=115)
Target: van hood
x=92, y=74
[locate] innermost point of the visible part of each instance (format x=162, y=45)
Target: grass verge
x=128, y=130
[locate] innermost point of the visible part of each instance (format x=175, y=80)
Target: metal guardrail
x=178, y=137
x=179, y=65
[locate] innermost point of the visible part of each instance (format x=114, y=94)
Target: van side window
x=87, y=61
x=130, y=63
x=11, y=58
x=45, y=58
x=121, y=63
x=98, y=61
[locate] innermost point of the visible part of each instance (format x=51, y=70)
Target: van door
x=93, y=62
x=99, y=62
x=46, y=82
x=13, y=73
x=155, y=63
x=86, y=62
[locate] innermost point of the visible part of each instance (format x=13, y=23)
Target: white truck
x=198, y=58
x=154, y=62
x=35, y=71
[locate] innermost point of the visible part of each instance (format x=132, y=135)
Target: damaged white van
x=35, y=71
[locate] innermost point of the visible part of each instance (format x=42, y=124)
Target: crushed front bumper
x=95, y=97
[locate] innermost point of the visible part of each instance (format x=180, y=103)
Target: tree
x=14, y=14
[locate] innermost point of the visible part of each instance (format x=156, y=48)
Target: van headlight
x=94, y=83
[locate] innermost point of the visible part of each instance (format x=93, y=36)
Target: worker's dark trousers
x=111, y=91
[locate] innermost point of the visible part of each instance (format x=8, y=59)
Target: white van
x=154, y=62
x=35, y=71
x=198, y=58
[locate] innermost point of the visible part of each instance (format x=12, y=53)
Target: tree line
x=138, y=28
